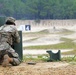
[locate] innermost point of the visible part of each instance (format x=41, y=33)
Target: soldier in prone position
x=9, y=35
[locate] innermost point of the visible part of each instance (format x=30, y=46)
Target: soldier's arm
x=17, y=37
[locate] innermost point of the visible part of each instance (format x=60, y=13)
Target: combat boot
x=6, y=60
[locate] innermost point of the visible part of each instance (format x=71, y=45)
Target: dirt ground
x=46, y=68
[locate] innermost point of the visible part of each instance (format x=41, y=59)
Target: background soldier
x=9, y=35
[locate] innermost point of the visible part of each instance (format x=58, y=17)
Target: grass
x=67, y=44
x=69, y=59
x=30, y=58
x=41, y=59
x=73, y=52
x=31, y=39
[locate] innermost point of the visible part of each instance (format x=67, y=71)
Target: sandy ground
x=35, y=52
x=48, y=68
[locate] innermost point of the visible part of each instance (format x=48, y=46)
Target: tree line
x=38, y=9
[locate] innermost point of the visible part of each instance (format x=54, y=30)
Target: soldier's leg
x=2, y=53
x=1, y=60
x=16, y=61
x=6, y=60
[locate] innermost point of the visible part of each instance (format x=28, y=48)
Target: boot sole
x=5, y=61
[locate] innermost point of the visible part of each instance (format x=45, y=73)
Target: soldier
x=9, y=35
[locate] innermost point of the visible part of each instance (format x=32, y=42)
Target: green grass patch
x=30, y=58
x=66, y=39
x=69, y=59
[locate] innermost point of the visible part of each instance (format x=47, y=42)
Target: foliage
x=38, y=9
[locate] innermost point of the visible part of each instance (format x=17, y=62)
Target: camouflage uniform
x=9, y=35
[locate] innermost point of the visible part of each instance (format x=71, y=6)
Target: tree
x=38, y=9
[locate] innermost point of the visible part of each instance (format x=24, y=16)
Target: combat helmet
x=10, y=19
